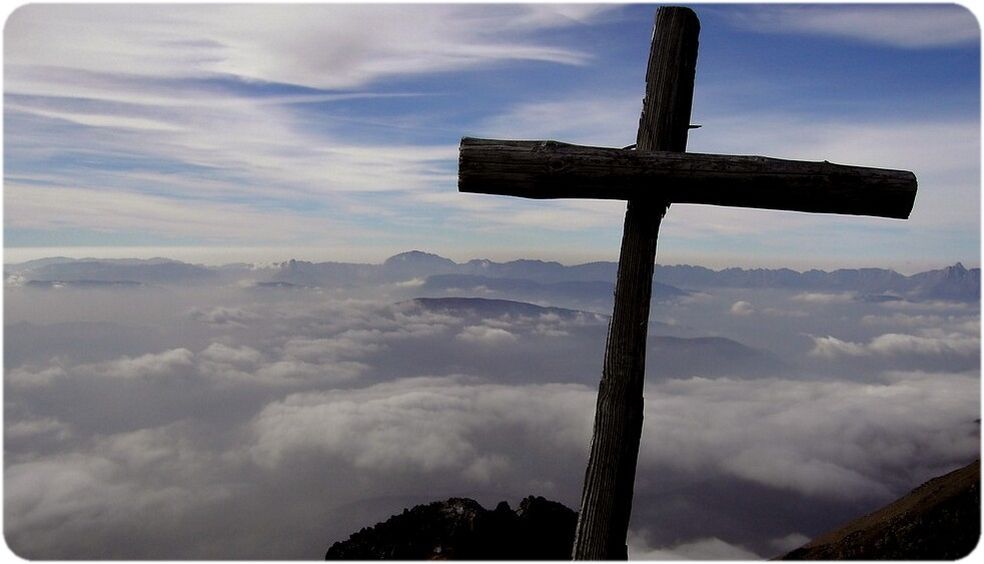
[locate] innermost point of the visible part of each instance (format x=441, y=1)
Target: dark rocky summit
x=461, y=529
x=939, y=520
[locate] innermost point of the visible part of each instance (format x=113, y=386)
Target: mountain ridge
x=938, y=520
x=952, y=283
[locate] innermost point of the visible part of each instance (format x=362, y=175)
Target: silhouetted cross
x=651, y=177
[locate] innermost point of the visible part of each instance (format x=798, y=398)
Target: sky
x=330, y=132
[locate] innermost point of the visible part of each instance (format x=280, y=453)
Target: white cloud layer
x=479, y=334
x=815, y=438
x=420, y=423
x=711, y=548
x=897, y=344
x=171, y=435
x=741, y=307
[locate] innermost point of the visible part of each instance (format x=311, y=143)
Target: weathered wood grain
x=548, y=169
x=606, y=499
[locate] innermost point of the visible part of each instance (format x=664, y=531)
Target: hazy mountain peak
x=417, y=257
x=534, y=261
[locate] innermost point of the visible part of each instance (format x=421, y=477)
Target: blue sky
x=330, y=131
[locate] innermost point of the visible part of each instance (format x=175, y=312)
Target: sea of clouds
x=227, y=420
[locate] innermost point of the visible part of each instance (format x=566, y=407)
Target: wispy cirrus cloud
x=40, y=207
x=198, y=106
x=320, y=46
x=608, y=119
x=896, y=25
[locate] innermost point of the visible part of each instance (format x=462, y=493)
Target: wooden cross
x=651, y=177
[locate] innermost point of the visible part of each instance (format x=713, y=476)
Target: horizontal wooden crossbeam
x=548, y=169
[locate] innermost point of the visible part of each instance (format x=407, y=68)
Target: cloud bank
x=236, y=421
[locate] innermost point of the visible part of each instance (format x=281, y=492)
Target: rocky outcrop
x=461, y=529
x=939, y=520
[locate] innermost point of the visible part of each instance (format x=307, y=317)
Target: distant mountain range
x=524, y=279
x=52, y=272
x=950, y=283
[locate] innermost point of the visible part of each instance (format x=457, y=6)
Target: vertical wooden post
x=606, y=501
